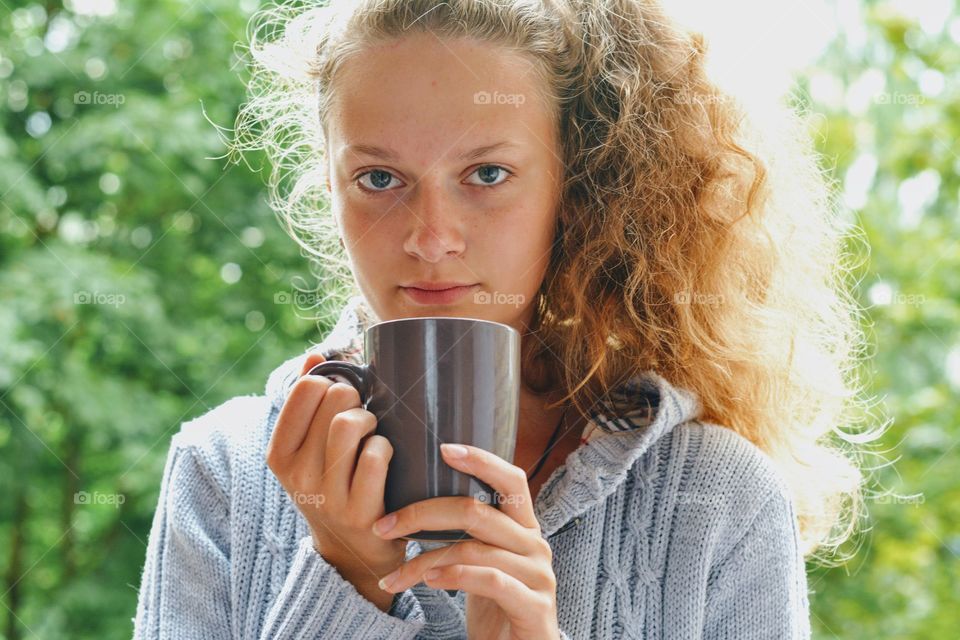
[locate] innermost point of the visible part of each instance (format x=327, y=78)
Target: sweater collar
x=620, y=428
x=621, y=435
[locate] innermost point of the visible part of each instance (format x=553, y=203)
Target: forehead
x=438, y=95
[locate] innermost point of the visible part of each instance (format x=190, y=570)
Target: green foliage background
x=140, y=280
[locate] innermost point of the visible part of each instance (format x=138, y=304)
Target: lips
x=435, y=296
x=438, y=285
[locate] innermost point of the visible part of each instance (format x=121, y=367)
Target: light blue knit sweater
x=670, y=528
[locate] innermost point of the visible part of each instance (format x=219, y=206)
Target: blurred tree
x=886, y=114
x=139, y=286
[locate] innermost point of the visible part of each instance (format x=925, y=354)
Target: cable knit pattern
x=661, y=525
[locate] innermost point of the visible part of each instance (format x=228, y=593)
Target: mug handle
x=356, y=375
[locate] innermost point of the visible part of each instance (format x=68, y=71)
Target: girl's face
x=444, y=168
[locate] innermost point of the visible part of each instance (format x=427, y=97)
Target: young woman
x=565, y=167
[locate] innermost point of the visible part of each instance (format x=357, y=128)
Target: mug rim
x=396, y=320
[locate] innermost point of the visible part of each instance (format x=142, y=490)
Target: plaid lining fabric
x=630, y=406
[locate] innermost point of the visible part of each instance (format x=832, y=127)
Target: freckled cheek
x=358, y=221
x=369, y=240
x=515, y=245
x=530, y=227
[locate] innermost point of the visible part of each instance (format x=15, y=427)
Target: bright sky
x=755, y=45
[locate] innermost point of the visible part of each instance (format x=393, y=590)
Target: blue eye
x=379, y=177
x=379, y=180
x=485, y=174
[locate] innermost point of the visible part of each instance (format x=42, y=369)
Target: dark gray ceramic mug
x=433, y=380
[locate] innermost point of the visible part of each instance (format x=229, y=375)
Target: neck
x=536, y=420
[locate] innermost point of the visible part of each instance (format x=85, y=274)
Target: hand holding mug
x=325, y=454
x=435, y=380
x=506, y=568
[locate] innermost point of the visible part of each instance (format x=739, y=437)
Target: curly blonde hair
x=690, y=239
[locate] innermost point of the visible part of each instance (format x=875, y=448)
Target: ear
x=312, y=360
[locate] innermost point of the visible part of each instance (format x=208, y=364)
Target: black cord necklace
x=550, y=443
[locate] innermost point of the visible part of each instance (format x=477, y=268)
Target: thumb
x=312, y=360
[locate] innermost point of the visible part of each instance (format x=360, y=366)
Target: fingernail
x=384, y=524
x=433, y=573
x=387, y=581
x=454, y=450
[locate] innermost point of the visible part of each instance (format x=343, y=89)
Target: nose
x=436, y=228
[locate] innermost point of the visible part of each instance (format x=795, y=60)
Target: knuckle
x=276, y=467
x=340, y=421
x=545, y=580
x=372, y=452
x=312, y=361
x=551, y=582
x=412, y=515
x=500, y=581
x=297, y=479
x=475, y=512
x=547, y=604
x=271, y=456
x=304, y=384
x=344, y=394
x=414, y=512
x=545, y=548
x=540, y=606
x=364, y=418
x=454, y=573
x=303, y=392
x=373, y=455
x=346, y=418
x=352, y=424
x=298, y=389
x=381, y=443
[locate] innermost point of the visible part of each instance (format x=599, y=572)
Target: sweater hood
x=620, y=428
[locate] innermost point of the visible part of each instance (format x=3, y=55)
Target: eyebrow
x=389, y=154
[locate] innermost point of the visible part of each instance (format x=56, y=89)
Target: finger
x=508, y=480
x=293, y=423
x=517, y=600
x=339, y=397
x=472, y=552
x=312, y=360
x=480, y=520
x=347, y=431
x=370, y=478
